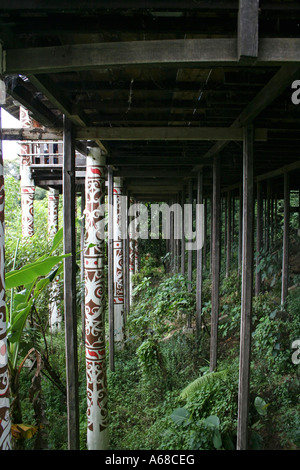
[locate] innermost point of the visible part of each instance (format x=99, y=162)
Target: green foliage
x=202, y=382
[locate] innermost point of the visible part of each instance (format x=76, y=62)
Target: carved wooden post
x=110, y=262
x=118, y=262
x=82, y=235
x=5, y=425
x=27, y=183
x=97, y=429
x=131, y=258
x=136, y=248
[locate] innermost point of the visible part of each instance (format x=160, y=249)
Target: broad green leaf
x=202, y=382
x=42, y=283
x=181, y=416
x=32, y=271
x=213, y=421
x=217, y=440
x=18, y=299
x=56, y=240
x=16, y=328
x=261, y=406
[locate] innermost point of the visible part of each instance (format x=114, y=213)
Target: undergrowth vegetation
x=162, y=394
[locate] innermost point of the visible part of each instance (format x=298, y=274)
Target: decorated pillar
x=131, y=259
x=53, y=201
x=136, y=250
x=5, y=425
x=97, y=429
x=27, y=183
x=55, y=317
x=118, y=262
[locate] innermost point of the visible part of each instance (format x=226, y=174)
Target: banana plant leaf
x=32, y=271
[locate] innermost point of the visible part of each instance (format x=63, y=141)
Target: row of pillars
x=123, y=262
x=95, y=285
x=265, y=212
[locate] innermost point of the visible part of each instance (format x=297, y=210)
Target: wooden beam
x=215, y=261
x=80, y=5
x=176, y=52
x=45, y=85
x=50, y=89
x=135, y=133
x=31, y=134
x=247, y=286
x=99, y=5
x=279, y=171
x=70, y=286
x=247, y=31
x=165, y=133
x=40, y=112
x=78, y=57
x=278, y=83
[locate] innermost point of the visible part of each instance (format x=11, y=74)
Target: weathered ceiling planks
x=161, y=75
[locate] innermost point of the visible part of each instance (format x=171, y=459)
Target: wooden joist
x=176, y=52
x=135, y=133
x=278, y=83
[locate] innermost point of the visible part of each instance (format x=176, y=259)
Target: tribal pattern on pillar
x=55, y=316
x=118, y=263
x=136, y=249
x=131, y=259
x=53, y=201
x=5, y=426
x=97, y=433
x=27, y=184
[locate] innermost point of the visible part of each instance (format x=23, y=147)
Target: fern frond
x=202, y=382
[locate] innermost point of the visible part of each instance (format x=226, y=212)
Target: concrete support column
x=53, y=201
x=5, y=424
x=131, y=259
x=97, y=429
x=199, y=278
x=136, y=250
x=118, y=262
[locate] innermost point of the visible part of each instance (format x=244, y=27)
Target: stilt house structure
x=162, y=101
